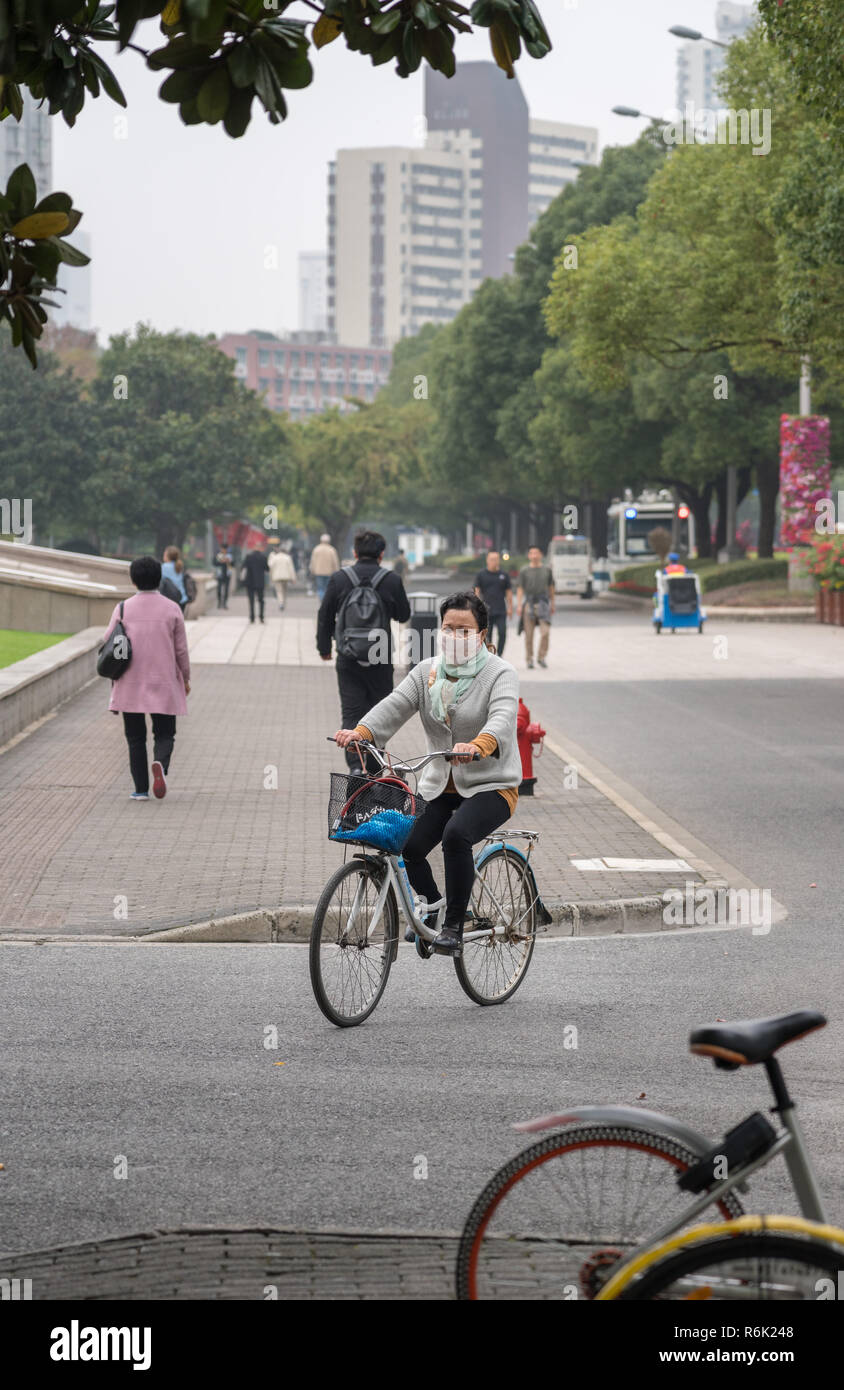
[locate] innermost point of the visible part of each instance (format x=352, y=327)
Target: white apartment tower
x=413, y=232
x=313, y=289
x=699, y=63
x=556, y=151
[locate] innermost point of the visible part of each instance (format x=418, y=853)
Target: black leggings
x=460, y=822
x=163, y=733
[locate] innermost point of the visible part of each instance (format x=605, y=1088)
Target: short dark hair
x=467, y=602
x=369, y=545
x=145, y=572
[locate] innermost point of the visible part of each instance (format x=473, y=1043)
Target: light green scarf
x=465, y=675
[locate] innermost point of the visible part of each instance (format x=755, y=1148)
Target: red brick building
x=303, y=375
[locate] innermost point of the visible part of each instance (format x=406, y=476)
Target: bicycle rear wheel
x=763, y=1267
x=350, y=958
x=556, y=1219
x=503, y=895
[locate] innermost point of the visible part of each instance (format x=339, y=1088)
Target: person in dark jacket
x=256, y=568
x=362, y=685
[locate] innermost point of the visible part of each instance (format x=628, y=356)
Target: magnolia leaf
x=326, y=30
x=213, y=96
x=40, y=225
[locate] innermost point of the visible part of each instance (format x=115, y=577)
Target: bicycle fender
x=622, y=1115
x=490, y=849
x=545, y=918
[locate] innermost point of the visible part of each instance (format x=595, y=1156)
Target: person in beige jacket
x=323, y=563
x=282, y=573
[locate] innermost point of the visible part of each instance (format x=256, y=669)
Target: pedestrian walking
x=360, y=602
x=254, y=574
x=173, y=577
x=157, y=680
x=282, y=573
x=323, y=563
x=401, y=567
x=467, y=699
x=223, y=562
x=536, y=602
x=494, y=587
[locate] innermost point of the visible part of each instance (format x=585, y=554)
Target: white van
x=571, y=565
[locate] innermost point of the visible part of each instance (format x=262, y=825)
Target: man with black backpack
x=360, y=602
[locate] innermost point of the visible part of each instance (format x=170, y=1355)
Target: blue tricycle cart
x=677, y=602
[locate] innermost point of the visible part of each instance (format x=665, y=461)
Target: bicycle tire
x=383, y=954
x=490, y=971
x=762, y=1246
x=472, y=1281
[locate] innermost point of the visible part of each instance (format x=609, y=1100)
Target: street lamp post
x=681, y=32
x=634, y=112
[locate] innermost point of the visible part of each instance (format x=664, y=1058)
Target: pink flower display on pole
x=804, y=475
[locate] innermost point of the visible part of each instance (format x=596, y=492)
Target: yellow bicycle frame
x=619, y=1281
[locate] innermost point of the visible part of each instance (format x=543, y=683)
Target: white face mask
x=458, y=648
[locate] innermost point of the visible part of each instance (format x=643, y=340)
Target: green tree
x=809, y=34
x=350, y=463
x=483, y=367
x=178, y=438
x=44, y=427
x=707, y=264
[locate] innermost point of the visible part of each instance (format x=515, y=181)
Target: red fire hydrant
x=528, y=734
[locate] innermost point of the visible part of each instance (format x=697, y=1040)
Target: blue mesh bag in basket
x=376, y=811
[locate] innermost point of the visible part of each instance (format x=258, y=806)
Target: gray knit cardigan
x=489, y=706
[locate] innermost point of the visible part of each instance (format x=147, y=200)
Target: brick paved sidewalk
x=81, y=858
x=238, y=1264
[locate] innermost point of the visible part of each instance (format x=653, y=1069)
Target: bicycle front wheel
x=503, y=896
x=351, y=953
x=559, y=1217
x=763, y=1267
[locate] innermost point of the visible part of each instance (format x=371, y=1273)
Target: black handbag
x=115, y=654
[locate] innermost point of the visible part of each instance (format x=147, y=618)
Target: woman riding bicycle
x=467, y=699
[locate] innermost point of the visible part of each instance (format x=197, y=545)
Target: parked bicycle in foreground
x=355, y=932
x=600, y=1208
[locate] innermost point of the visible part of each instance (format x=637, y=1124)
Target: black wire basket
x=379, y=812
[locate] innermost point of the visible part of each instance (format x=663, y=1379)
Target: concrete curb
x=610, y=917
x=715, y=612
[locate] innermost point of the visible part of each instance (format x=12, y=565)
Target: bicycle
x=355, y=932
x=601, y=1207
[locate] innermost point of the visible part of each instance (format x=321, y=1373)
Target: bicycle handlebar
x=403, y=765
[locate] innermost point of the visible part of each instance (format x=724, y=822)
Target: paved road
x=155, y=1052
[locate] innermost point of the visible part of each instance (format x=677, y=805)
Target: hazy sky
x=180, y=216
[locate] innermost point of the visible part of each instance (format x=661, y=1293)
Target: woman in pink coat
x=158, y=678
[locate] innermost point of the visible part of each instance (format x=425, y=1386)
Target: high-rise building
x=556, y=152
x=313, y=272
x=699, y=63
x=28, y=141
x=412, y=232
x=404, y=255
x=485, y=120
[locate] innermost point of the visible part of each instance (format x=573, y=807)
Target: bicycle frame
x=396, y=878
x=789, y=1142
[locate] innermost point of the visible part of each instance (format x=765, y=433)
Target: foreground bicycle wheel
x=767, y=1267
x=503, y=895
x=557, y=1218
x=349, y=959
